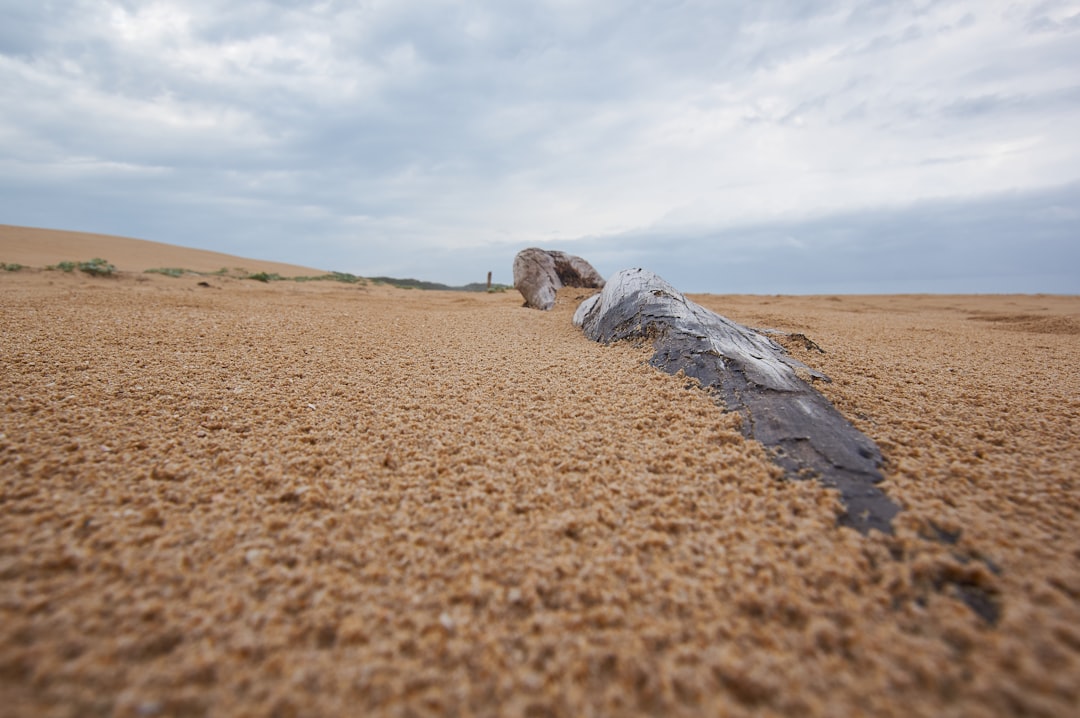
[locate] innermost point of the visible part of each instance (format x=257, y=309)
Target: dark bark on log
x=539, y=273
x=753, y=376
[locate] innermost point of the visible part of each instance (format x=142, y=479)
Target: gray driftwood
x=539, y=273
x=753, y=376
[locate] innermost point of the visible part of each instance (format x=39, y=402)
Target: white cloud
x=435, y=125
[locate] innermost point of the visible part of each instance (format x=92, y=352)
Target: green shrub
x=97, y=267
x=333, y=277
x=265, y=277
x=13, y=267
x=169, y=271
x=345, y=277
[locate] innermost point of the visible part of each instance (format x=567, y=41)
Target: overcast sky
x=761, y=146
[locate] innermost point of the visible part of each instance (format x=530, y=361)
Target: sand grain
x=312, y=499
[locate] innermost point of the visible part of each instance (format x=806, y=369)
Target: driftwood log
x=540, y=273
x=753, y=376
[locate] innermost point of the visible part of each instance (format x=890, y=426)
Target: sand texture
x=325, y=499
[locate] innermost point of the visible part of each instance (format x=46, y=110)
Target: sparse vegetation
x=96, y=267
x=409, y=283
x=238, y=273
x=170, y=271
x=265, y=277
x=420, y=284
x=13, y=267
x=100, y=268
x=343, y=277
x=346, y=278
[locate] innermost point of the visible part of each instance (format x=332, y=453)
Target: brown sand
x=44, y=247
x=321, y=499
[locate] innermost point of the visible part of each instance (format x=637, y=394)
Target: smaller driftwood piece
x=753, y=376
x=540, y=273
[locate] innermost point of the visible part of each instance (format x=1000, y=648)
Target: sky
x=765, y=146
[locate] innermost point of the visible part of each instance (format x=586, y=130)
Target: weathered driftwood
x=539, y=273
x=753, y=376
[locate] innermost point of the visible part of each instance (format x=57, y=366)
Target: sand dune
x=327, y=499
x=42, y=247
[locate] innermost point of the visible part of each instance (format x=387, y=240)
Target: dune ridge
x=36, y=247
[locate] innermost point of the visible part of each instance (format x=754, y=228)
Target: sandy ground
x=326, y=499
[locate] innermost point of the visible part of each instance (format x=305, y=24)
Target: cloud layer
x=827, y=146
